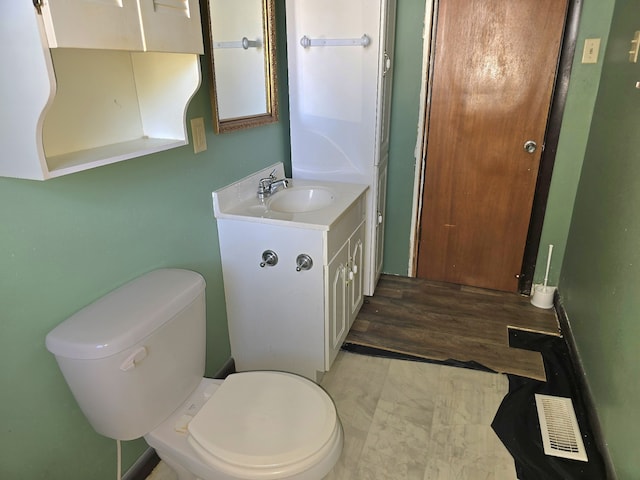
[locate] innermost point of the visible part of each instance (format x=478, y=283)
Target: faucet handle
x=264, y=185
x=266, y=181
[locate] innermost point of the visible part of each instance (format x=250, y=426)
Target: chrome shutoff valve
x=303, y=262
x=269, y=259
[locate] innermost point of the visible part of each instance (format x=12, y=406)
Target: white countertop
x=239, y=201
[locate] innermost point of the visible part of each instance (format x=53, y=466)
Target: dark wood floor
x=443, y=321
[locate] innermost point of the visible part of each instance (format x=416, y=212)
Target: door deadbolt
x=530, y=146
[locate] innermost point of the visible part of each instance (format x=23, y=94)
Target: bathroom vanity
x=293, y=270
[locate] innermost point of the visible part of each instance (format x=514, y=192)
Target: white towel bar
x=244, y=43
x=335, y=42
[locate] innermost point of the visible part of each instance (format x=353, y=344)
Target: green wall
x=407, y=72
x=67, y=241
x=595, y=20
x=600, y=278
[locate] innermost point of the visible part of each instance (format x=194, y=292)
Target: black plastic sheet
x=379, y=352
x=516, y=422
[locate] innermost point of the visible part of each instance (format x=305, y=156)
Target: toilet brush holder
x=542, y=296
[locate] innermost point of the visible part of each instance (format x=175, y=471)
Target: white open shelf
x=72, y=109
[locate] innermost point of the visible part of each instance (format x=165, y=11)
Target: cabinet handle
x=379, y=218
x=387, y=64
x=354, y=269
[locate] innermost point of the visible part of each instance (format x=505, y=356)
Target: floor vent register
x=559, y=427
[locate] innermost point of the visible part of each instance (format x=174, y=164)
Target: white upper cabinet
x=171, y=26
x=134, y=25
x=105, y=24
x=89, y=83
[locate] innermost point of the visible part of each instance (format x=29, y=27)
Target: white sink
x=300, y=199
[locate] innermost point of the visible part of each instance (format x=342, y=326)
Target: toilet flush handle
x=136, y=357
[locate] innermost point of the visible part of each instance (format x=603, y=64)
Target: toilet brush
x=546, y=273
x=542, y=294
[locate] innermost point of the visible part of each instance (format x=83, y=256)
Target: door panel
x=493, y=77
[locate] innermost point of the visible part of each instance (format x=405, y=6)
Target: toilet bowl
x=134, y=361
x=240, y=429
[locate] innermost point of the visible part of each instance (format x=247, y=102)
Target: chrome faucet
x=270, y=185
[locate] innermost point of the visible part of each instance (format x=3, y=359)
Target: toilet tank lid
x=126, y=315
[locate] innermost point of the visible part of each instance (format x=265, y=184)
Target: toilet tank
x=133, y=356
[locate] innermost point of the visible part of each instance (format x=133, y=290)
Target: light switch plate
x=591, y=49
x=198, y=135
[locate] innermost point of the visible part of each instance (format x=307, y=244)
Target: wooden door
x=495, y=63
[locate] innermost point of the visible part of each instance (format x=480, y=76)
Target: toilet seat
x=260, y=425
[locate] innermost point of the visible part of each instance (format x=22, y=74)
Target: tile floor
x=412, y=420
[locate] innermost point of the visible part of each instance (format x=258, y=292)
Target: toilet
x=134, y=360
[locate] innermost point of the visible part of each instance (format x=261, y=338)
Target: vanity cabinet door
x=112, y=25
x=337, y=321
x=355, y=273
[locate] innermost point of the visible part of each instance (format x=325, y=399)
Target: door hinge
x=38, y=5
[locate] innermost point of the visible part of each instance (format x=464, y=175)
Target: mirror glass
x=243, y=63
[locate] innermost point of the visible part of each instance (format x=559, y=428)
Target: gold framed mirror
x=241, y=51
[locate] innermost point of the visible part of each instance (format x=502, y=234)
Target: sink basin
x=306, y=203
x=301, y=199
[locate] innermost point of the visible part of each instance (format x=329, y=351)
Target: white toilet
x=134, y=361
